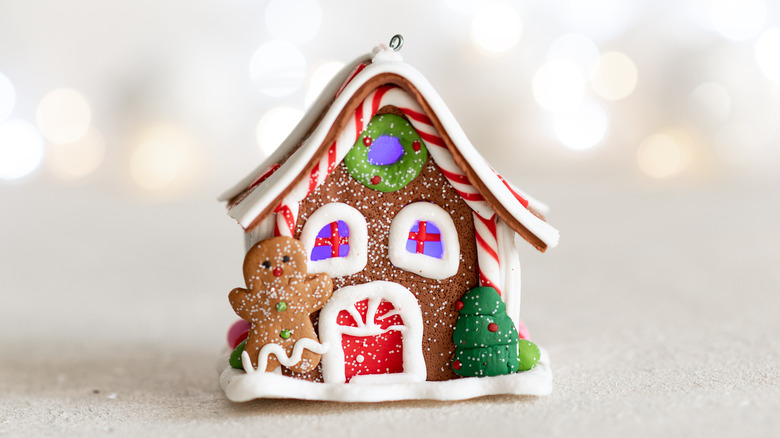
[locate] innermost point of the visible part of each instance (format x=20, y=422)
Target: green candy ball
x=235, y=356
x=528, y=355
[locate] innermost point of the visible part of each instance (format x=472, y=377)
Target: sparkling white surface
x=659, y=315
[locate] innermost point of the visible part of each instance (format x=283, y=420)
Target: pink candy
x=238, y=332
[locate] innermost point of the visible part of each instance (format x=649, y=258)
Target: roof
x=256, y=196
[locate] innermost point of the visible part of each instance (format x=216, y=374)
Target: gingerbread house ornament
x=379, y=188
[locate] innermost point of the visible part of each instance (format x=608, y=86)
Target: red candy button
x=458, y=305
x=416, y=146
x=456, y=365
x=367, y=141
x=493, y=327
x=376, y=180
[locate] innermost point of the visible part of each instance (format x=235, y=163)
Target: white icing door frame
x=405, y=305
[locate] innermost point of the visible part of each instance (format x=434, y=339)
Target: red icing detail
x=520, y=199
x=278, y=271
x=334, y=241
x=458, y=305
x=381, y=354
x=376, y=180
x=367, y=141
x=485, y=281
x=416, y=146
x=493, y=327
x=423, y=236
x=351, y=76
x=456, y=365
x=264, y=176
x=238, y=332
x=380, y=92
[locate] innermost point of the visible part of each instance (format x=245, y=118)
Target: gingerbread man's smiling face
x=278, y=261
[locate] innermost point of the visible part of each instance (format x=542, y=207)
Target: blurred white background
x=167, y=99
x=650, y=127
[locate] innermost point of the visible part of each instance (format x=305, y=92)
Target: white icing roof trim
x=247, y=210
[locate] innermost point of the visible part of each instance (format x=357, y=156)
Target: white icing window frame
x=333, y=367
x=357, y=257
x=421, y=264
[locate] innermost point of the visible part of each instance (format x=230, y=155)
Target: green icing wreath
x=393, y=176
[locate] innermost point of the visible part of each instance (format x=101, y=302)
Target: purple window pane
x=324, y=232
x=434, y=249
x=325, y=241
x=385, y=150
x=432, y=245
x=343, y=229
x=430, y=228
x=320, y=253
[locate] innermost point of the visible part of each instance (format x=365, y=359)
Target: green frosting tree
x=486, y=341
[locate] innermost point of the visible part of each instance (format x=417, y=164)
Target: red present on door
x=372, y=353
x=374, y=334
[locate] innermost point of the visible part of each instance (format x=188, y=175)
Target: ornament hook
x=396, y=42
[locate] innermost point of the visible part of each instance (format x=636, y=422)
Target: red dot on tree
x=416, y=146
x=458, y=305
x=493, y=327
x=367, y=141
x=456, y=365
x=376, y=180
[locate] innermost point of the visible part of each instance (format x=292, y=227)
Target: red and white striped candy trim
x=379, y=98
x=485, y=232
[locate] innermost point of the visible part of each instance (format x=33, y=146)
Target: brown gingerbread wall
x=436, y=297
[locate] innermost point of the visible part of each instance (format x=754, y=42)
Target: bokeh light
x=296, y=21
x=275, y=125
x=767, y=52
x=63, y=116
x=7, y=97
x=601, y=20
x=21, y=149
x=164, y=158
x=582, y=128
x=616, y=76
x=661, y=155
x=277, y=68
x=496, y=27
x=710, y=102
x=320, y=78
x=577, y=49
x=75, y=160
x=558, y=86
x=738, y=20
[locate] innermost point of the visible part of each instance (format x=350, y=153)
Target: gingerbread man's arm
x=243, y=302
x=320, y=288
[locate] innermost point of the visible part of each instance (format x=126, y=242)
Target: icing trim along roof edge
x=324, y=122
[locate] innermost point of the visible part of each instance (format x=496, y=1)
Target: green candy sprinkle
x=281, y=306
x=284, y=334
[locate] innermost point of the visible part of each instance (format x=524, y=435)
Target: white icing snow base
x=239, y=386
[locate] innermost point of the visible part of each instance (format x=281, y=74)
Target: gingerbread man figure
x=279, y=298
